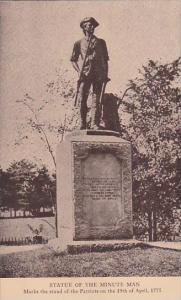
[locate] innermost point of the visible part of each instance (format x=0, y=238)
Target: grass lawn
x=133, y=262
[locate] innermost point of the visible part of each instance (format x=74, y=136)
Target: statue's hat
x=89, y=19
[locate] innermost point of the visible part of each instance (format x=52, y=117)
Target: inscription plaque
x=102, y=189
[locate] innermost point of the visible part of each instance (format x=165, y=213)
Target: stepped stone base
x=77, y=247
x=94, y=193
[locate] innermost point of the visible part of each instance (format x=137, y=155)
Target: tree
x=21, y=175
x=153, y=99
x=25, y=186
x=43, y=191
x=59, y=99
x=51, y=115
x=4, y=189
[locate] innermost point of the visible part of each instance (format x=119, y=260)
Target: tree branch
x=124, y=94
x=42, y=130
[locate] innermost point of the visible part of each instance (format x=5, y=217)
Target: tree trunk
x=154, y=224
x=56, y=220
x=56, y=217
x=150, y=226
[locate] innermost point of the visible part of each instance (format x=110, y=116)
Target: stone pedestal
x=94, y=192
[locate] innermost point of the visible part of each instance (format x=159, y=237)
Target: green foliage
x=21, y=175
x=154, y=103
x=25, y=186
x=4, y=185
x=43, y=192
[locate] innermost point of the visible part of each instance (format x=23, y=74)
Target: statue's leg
x=96, y=105
x=83, y=95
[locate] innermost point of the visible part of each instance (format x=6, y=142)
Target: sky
x=36, y=36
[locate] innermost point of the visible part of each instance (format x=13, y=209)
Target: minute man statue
x=90, y=60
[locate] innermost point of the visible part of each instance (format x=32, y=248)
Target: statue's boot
x=94, y=127
x=83, y=124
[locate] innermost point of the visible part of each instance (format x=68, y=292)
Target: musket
x=81, y=72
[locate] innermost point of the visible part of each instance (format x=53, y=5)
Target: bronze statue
x=90, y=60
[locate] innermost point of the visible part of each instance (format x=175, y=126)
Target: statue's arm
x=76, y=66
x=106, y=68
x=75, y=56
x=105, y=51
x=106, y=58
